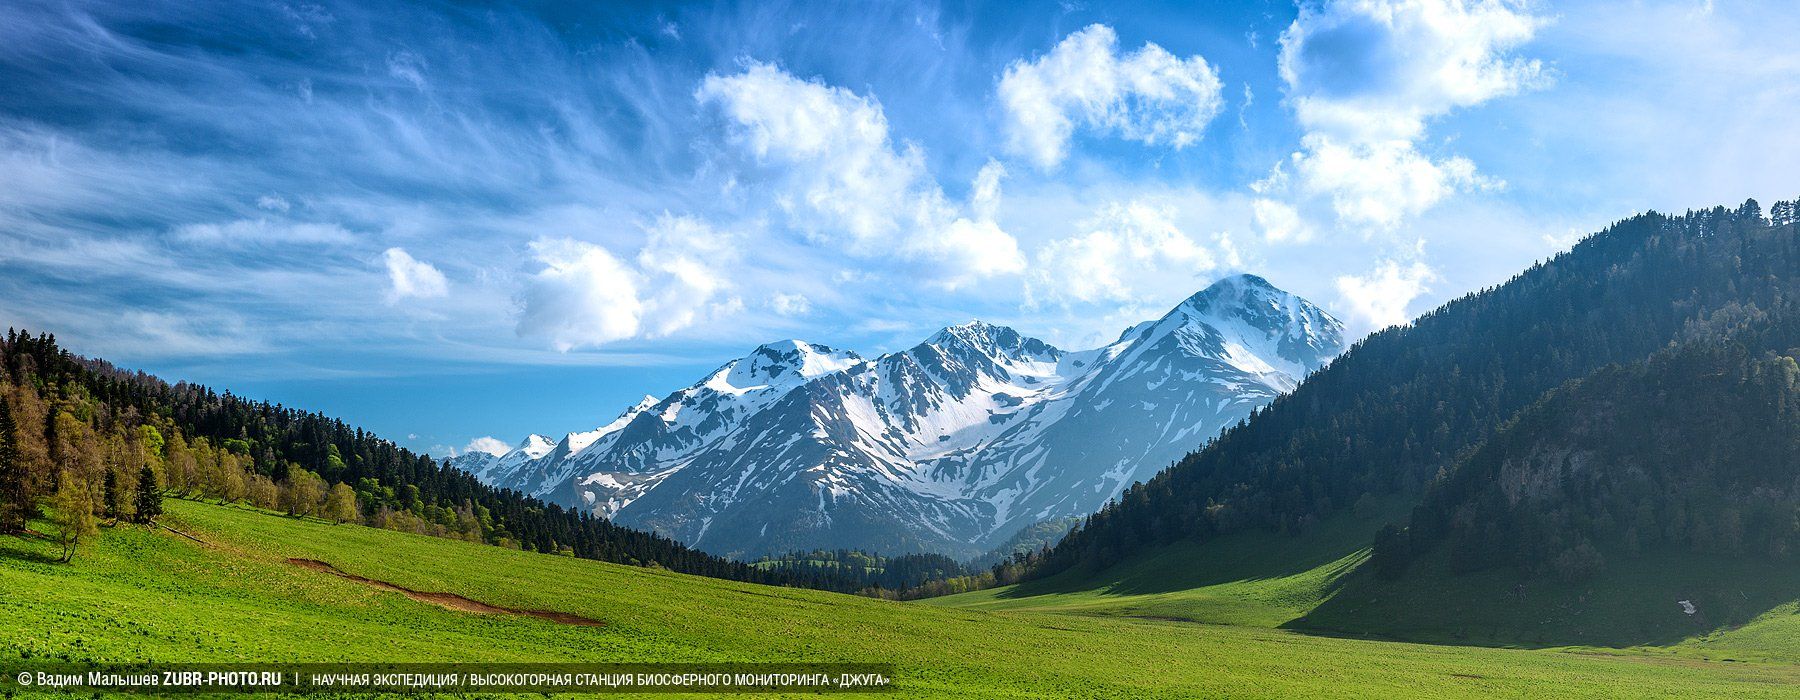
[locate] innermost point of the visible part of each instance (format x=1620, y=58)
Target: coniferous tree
x=149, y=497
x=111, y=495
x=15, y=497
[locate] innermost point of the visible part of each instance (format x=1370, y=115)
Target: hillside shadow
x=1331, y=548
x=1635, y=602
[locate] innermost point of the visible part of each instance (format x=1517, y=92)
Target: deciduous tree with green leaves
x=340, y=504
x=74, y=504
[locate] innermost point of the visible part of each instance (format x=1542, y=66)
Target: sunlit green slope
x=1318, y=583
x=1258, y=579
x=138, y=594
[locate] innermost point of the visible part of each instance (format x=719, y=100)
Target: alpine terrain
x=951, y=446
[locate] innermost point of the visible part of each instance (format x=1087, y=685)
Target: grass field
x=1747, y=608
x=1258, y=579
x=139, y=595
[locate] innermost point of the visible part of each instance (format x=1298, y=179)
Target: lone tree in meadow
x=149, y=498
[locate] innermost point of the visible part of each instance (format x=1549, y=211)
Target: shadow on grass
x=1240, y=557
x=1635, y=602
x=30, y=546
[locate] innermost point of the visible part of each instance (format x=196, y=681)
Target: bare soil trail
x=449, y=601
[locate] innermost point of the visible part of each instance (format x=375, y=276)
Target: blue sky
x=459, y=220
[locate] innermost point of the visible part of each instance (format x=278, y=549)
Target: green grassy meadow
x=1253, y=579
x=143, y=595
x=1313, y=583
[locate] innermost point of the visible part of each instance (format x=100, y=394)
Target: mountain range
x=950, y=446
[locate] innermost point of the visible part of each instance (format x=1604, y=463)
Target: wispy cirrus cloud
x=263, y=231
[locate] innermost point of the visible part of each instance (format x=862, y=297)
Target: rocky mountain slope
x=950, y=446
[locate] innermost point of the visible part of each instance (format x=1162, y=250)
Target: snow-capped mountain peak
x=781, y=365
x=951, y=445
x=998, y=343
x=1254, y=325
x=575, y=443
x=534, y=446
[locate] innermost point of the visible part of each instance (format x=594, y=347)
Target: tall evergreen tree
x=15, y=497
x=149, y=498
x=110, y=489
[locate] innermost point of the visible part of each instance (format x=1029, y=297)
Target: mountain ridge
x=950, y=446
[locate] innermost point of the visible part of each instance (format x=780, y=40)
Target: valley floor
x=1743, y=608
x=138, y=594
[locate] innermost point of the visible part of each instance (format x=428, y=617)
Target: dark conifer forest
x=1692, y=450
x=1395, y=413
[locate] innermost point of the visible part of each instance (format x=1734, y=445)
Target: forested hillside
x=83, y=432
x=1643, y=505
x=1392, y=414
x=1694, y=450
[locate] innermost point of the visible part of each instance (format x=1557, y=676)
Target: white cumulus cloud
x=842, y=179
x=410, y=278
x=1279, y=222
x=1380, y=183
x=1129, y=251
x=790, y=304
x=1379, y=298
x=585, y=296
x=488, y=444
x=1364, y=78
x=1148, y=95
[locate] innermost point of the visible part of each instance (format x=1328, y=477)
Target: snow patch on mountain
x=951, y=446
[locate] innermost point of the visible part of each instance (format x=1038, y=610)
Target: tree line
x=863, y=572
x=83, y=437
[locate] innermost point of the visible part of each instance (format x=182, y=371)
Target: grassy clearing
x=149, y=595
